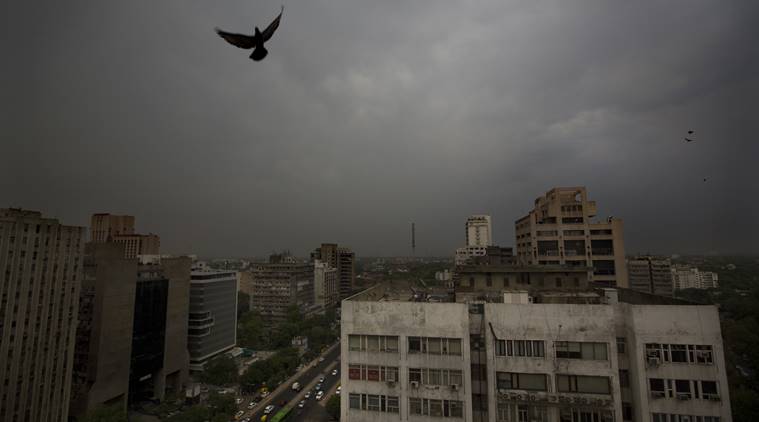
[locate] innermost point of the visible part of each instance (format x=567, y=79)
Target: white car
x=301, y=404
x=252, y=404
x=307, y=395
x=319, y=395
x=334, y=372
x=238, y=400
x=321, y=380
x=268, y=409
x=239, y=414
x=321, y=359
x=338, y=390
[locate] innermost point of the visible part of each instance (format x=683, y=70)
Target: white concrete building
x=687, y=277
x=326, y=286
x=479, y=231
x=564, y=355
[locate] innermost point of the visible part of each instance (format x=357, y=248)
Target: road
x=308, y=378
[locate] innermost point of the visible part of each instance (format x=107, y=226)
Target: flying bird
x=256, y=41
x=690, y=132
x=688, y=140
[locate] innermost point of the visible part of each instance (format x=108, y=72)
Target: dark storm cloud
x=368, y=115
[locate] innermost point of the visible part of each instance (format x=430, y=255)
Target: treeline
x=320, y=330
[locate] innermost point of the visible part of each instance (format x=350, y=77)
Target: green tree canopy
x=220, y=371
x=333, y=407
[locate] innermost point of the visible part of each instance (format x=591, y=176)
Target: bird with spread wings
x=256, y=41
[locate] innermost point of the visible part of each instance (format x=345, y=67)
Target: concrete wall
x=176, y=357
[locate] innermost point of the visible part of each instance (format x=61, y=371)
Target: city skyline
x=349, y=136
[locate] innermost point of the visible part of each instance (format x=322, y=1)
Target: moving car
x=307, y=395
x=318, y=387
x=296, y=386
x=321, y=359
x=239, y=414
x=238, y=400
x=264, y=393
x=338, y=389
x=319, y=395
x=334, y=372
x=302, y=403
x=252, y=404
x=321, y=380
x=268, y=409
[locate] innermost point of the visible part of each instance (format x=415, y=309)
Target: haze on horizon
x=366, y=116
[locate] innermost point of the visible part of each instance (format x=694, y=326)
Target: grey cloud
x=369, y=115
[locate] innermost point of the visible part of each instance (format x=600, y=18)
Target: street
x=313, y=410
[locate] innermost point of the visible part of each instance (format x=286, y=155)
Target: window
x=415, y=375
x=578, y=350
x=435, y=345
x=370, y=343
x=392, y=404
x=656, y=385
x=582, y=384
x=709, y=388
x=521, y=348
x=624, y=378
x=682, y=388
x=431, y=376
x=436, y=408
x=627, y=411
x=372, y=372
x=621, y=344
x=354, y=401
x=521, y=381
x=678, y=353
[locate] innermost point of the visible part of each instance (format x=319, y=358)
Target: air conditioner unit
x=683, y=396
x=714, y=397
x=391, y=383
x=455, y=387
x=653, y=361
x=657, y=394
x=652, y=353
x=414, y=384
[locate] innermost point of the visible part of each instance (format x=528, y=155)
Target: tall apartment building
x=341, y=258
x=120, y=229
x=687, y=277
x=560, y=230
x=213, y=315
x=650, y=274
x=279, y=284
x=131, y=342
x=103, y=226
x=41, y=261
x=567, y=355
x=326, y=286
x=479, y=231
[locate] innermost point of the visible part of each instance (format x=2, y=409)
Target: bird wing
x=269, y=31
x=688, y=140
x=238, y=40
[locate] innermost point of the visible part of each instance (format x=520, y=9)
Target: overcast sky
x=368, y=115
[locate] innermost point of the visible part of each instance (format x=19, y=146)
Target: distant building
x=131, y=343
x=559, y=230
x=341, y=258
x=465, y=254
x=103, y=226
x=531, y=353
x=687, y=277
x=120, y=229
x=279, y=284
x=212, y=325
x=479, y=231
x=650, y=274
x=326, y=286
x=444, y=275
x=41, y=260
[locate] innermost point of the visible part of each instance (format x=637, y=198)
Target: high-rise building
x=120, y=229
x=341, y=258
x=131, y=342
x=479, y=231
x=530, y=354
x=560, y=230
x=650, y=274
x=326, y=286
x=42, y=266
x=213, y=315
x=687, y=277
x=279, y=284
x=103, y=226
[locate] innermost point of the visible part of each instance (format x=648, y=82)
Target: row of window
x=511, y=412
x=373, y=402
x=684, y=389
x=564, y=349
x=366, y=343
x=424, y=376
x=668, y=417
x=389, y=344
x=435, y=408
x=564, y=383
x=681, y=353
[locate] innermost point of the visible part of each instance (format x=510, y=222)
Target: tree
x=258, y=372
x=243, y=304
x=193, y=414
x=222, y=404
x=220, y=371
x=104, y=414
x=250, y=332
x=333, y=407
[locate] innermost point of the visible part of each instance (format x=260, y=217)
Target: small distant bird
x=690, y=132
x=688, y=140
x=256, y=41
x=704, y=179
